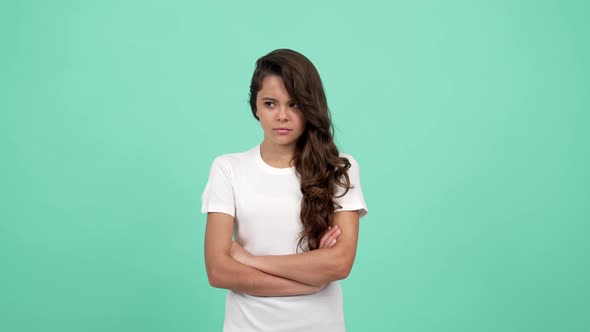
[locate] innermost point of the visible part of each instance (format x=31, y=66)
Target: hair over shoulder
x=317, y=160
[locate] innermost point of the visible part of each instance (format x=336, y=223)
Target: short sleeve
x=218, y=195
x=354, y=199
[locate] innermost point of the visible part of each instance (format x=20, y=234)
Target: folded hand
x=328, y=240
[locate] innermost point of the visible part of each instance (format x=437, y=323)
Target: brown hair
x=317, y=161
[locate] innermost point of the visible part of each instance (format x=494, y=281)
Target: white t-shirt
x=265, y=202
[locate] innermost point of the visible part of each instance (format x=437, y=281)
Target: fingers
x=336, y=234
x=329, y=238
x=325, y=237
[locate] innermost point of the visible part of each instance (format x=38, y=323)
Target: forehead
x=272, y=86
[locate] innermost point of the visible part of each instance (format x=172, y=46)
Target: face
x=275, y=109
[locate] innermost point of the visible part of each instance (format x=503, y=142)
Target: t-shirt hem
x=218, y=209
x=363, y=212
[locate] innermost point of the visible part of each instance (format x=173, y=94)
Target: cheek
x=265, y=121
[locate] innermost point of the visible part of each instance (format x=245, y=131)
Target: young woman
x=293, y=205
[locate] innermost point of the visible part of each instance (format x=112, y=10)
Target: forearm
x=314, y=267
x=230, y=274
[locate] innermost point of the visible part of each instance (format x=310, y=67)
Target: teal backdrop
x=469, y=119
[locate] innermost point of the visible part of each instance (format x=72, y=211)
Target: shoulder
x=351, y=159
x=229, y=161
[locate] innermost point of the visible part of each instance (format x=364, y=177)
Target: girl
x=292, y=203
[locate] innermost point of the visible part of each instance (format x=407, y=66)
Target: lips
x=282, y=131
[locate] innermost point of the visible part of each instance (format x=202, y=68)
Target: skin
x=317, y=267
x=225, y=272
x=230, y=266
x=275, y=109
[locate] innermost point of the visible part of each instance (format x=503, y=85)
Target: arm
x=225, y=272
x=316, y=267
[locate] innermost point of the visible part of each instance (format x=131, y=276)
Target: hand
x=328, y=240
x=240, y=254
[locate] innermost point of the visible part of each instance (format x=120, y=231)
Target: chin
x=284, y=141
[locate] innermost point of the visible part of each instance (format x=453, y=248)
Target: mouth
x=282, y=131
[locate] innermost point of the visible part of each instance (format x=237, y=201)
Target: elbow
x=337, y=271
x=344, y=271
x=214, y=275
x=213, y=279
x=214, y=282
x=343, y=268
x=343, y=258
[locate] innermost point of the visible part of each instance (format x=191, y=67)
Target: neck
x=276, y=154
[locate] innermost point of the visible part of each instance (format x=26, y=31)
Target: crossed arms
x=229, y=266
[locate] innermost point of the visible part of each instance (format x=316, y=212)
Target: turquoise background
x=469, y=120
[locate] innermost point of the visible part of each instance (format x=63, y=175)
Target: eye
x=294, y=105
x=268, y=102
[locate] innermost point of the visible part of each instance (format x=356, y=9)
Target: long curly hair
x=317, y=161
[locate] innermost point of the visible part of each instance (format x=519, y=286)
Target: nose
x=282, y=114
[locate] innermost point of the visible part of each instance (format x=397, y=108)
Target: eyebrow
x=275, y=100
